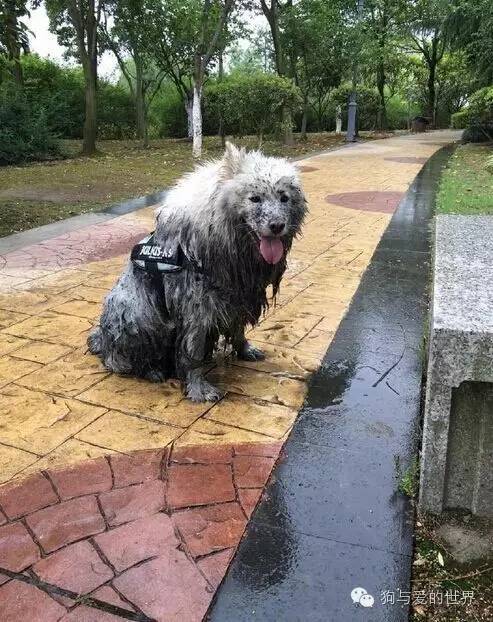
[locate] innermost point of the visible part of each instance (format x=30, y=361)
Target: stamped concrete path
x=121, y=500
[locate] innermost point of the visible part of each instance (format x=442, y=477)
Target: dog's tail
x=95, y=341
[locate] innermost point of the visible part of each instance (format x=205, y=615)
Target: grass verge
x=466, y=186
x=43, y=192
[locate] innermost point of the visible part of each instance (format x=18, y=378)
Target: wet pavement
x=332, y=518
x=68, y=425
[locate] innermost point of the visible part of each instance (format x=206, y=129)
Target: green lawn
x=43, y=192
x=466, y=186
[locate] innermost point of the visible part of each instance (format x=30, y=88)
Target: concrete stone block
x=457, y=457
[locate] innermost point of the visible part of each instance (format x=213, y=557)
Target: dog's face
x=265, y=195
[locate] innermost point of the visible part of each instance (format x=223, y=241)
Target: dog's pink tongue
x=271, y=249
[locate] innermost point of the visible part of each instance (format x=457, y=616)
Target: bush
x=481, y=104
x=367, y=104
x=251, y=104
x=460, y=120
x=167, y=116
x=24, y=132
x=116, y=112
x=399, y=111
x=477, y=118
x=60, y=92
x=478, y=133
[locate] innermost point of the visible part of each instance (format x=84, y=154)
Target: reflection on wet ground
x=331, y=518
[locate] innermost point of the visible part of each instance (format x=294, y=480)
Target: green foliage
x=252, y=103
x=367, y=104
x=481, y=104
x=408, y=479
x=460, y=120
x=399, y=111
x=116, y=113
x=470, y=29
x=477, y=117
x=167, y=114
x=59, y=92
x=24, y=133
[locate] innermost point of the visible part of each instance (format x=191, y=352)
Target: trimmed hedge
x=251, y=104
x=478, y=112
x=460, y=120
x=24, y=132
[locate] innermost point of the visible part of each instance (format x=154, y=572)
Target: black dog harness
x=156, y=259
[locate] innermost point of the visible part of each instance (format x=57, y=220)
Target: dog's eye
x=284, y=198
x=255, y=199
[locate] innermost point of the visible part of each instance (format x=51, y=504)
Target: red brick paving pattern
x=91, y=243
x=151, y=533
x=368, y=201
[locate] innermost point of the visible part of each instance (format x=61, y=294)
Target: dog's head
x=263, y=194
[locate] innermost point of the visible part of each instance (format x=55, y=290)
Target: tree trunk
x=13, y=47
x=140, y=105
x=188, y=110
x=90, y=121
x=382, y=104
x=430, y=104
x=197, y=120
x=304, y=118
x=287, y=122
x=220, y=76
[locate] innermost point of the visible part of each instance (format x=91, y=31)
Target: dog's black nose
x=276, y=227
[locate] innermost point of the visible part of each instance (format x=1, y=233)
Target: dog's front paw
x=250, y=353
x=203, y=391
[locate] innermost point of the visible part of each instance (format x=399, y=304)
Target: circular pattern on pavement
x=367, y=201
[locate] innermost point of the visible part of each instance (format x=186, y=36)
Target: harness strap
x=153, y=258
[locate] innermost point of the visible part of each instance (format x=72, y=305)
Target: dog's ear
x=231, y=162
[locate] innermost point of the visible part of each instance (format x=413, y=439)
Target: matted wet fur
x=230, y=216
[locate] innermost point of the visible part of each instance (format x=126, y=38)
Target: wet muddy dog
x=222, y=237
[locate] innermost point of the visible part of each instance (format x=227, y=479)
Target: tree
x=470, y=28
x=274, y=11
x=128, y=39
x=257, y=56
x=313, y=38
x=426, y=24
x=382, y=40
x=76, y=22
x=192, y=35
x=14, y=34
x=214, y=16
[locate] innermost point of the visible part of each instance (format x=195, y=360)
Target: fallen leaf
x=440, y=559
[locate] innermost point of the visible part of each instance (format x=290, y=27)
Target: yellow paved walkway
x=58, y=405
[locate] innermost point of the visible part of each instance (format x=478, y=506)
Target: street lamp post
x=352, y=113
